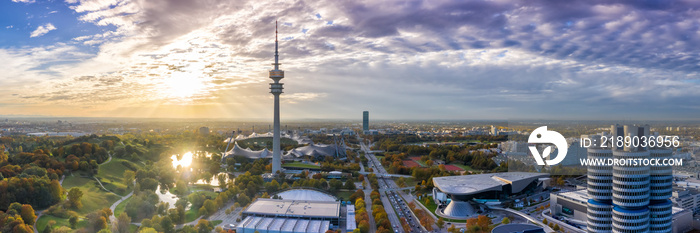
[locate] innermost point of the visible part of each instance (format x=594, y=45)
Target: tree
x=544, y=221
x=123, y=223
x=350, y=185
x=74, y=196
x=556, y=227
x=483, y=221
x=335, y=185
x=222, y=180
x=148, y=230
x=204, y=226
x=364, y=226
x=452, y=229
x=505, y=220
x=73, y=221
x=167, y=224
x=440, y=223
x=27, y=214
x=23, y=228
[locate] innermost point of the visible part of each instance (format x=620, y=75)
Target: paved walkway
x=114, y=206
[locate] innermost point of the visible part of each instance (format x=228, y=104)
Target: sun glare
x=183, y=85
x=185, y=161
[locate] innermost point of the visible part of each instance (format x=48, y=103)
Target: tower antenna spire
x=277, y=64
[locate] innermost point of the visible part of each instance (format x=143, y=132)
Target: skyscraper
x=628, y=198
x=276, y=89
x=365, y=120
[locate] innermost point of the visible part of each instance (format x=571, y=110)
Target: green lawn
x=432, y=207
x=345, y=195
x=94, y=197
x=216, y=222
x=112, y=176
x=301, y=165
x=191, y=215
x=44, y=220
x=209, y=194
x=465, y=167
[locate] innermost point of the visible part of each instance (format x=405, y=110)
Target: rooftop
x=469, y=184
x=580, y=195
x=294, y=208
x=301, y=225
x=305, y=195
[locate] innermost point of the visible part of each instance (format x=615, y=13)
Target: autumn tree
x=505, y=220
x=440, y=223
x=204, y=226
x=74, y=196
x=27, y=214
x=483, y=221
x=123, y=223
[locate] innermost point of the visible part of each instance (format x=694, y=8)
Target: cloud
x=24, y=1
x=422, y=59
x=42, y=30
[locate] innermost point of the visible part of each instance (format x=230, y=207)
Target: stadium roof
x=294, y=208
x=314, y=150
x=472, y=184
x=301, y=225
x=305, y=195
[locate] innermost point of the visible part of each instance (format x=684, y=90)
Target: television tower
x=276, y=89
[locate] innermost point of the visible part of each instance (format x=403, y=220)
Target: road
x=387, y=188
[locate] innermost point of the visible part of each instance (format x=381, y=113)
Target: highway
x=390, y=197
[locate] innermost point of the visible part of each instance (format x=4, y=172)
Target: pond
x=167, y=197
x=214, y=181
x=186, y=158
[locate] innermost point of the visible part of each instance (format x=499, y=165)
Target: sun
x=182, y=85
x=185, y=161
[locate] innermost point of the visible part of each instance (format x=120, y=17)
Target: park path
x=108, y=160
x=113, y=218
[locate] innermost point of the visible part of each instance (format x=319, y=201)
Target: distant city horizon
x=356, y=121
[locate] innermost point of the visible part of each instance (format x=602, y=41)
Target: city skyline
x=415, y=60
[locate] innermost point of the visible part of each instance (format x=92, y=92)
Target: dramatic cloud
x=400, y=59
x=41, y=30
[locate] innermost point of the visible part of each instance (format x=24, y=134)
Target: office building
x=365, y=121
x=574, y=206
x=628, y=198
x=457, y=191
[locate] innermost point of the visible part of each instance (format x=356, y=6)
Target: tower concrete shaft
x=276, y=89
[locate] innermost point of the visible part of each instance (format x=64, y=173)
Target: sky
x=433, y=59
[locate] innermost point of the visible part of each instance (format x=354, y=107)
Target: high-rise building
x=204, y=130
x=365, y=120
x=276, y=89
x=628, y=198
